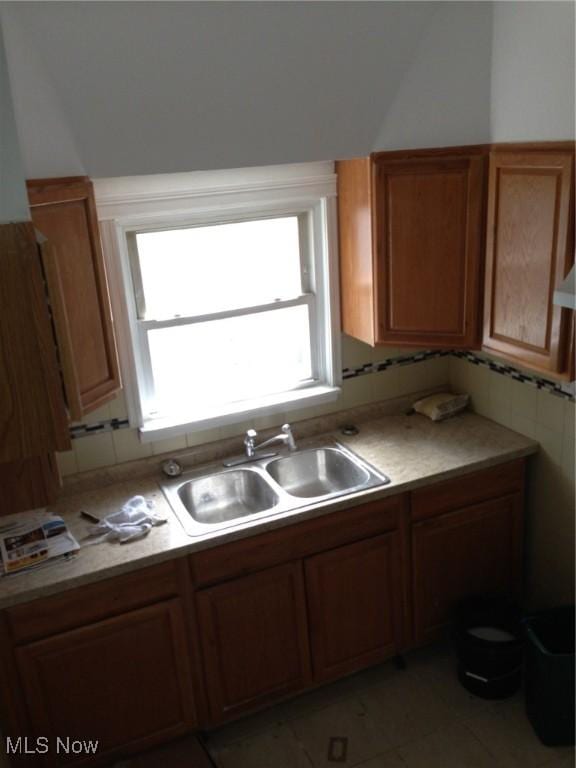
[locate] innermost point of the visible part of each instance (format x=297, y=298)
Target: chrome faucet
x=285, y=437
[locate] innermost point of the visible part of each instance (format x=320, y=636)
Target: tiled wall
x=549, y=419
x=113, y=447
x=519, y=405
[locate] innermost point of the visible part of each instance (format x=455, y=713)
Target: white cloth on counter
x=133, y=521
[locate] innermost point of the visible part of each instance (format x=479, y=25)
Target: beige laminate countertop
x=412, y=450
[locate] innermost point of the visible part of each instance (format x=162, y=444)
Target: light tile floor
x=415, y=718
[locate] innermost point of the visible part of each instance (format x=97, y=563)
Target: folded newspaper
x=38, y=539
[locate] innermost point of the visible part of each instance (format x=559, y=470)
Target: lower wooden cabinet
x=354, y=603
x=475, y=550
x=255, y=639
x=124, y=682
x=151, y=654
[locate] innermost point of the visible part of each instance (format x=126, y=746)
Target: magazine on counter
x=38, y=539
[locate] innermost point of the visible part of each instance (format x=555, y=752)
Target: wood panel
x=530, y=239
x=32, y=415
x=476, y=550
x=93, y=602
x=255, y=639
x=124, y=681
x=64, y=211
x=463, y=491
x=297, y=541
x=28, y=483
x=356, y=249
x=429, y=237
x=354, y=605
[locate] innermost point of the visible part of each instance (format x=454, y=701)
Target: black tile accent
x=110, y=425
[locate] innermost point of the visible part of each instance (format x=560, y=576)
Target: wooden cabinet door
x=476, y=550
x=530, y=240
x=429, y=238
x=354, y=603
x=32, y=412
x=255, y=639
x=28, y=484
x=124, y=682
x=63, y=210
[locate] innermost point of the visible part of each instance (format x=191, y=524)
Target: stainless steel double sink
x=208, y=500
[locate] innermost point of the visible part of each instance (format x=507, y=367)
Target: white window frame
x=127, y=206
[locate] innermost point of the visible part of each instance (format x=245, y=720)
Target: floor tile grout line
x=301, y=745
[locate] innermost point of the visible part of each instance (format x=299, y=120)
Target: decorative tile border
x=393, y=362
x=565, y=391
x=109, y=425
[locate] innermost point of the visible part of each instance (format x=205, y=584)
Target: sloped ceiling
x=115, y=88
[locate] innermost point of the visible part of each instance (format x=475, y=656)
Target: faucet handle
x=287, y=430
x=251, y=434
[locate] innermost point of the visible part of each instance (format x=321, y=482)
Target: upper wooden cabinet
x=63, y=210
x=32, y=413
x=411, y=239
x=530, y=247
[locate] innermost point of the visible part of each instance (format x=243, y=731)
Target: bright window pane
x=206, y=269
x=230, y=360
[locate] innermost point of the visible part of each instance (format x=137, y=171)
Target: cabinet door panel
x=32, y=411
x=123, y=681
x=529, y=240
x=470, y=551
x=354, y=601
x=254, y=639
x=429, y=238
x=64, y=212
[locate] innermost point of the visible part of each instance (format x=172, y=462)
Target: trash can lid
x=491, y=634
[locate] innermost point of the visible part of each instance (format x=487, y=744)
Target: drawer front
x=296, y=541
x=466, y=490
x=84, y=605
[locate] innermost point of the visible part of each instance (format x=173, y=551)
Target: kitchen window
x=228, y=308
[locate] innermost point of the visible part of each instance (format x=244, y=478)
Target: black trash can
x=489, y=644
x=550, y=675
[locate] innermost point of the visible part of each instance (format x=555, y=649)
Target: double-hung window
x=230, y=305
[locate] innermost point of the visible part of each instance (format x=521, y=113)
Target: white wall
x=154, y=87
x=13, y=198
x=444, y=97
x=48, y=148
x=533, y=71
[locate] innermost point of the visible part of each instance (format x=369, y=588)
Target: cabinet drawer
x=296, y=541
x=48, y=616
x=467, y=490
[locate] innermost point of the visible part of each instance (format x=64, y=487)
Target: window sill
x=163, y=428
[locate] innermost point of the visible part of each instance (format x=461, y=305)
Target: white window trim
x=132, y=204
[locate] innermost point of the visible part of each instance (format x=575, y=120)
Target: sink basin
x=206, y=501
x=317, y=472
x=224, y=496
